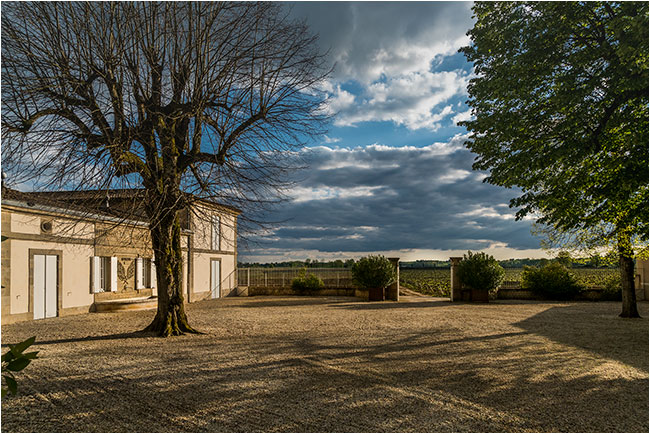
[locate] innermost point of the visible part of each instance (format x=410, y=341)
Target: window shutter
x=95, y=275
x=139, y=273
x=113, y=274
x=152, y=275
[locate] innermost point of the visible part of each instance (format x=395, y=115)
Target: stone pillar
x=392, y=292
x=455, y=281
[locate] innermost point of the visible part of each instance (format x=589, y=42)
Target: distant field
x=438, y=282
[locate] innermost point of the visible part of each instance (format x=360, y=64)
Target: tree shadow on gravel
x=606, y=334
x=115, y=336
x=421, y=382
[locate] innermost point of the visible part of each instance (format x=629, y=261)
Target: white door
x=45, y=286
x=215, y=278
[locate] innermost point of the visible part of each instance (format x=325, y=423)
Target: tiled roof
x=121, y=202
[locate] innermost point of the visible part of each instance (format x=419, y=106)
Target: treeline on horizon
x=591, y=262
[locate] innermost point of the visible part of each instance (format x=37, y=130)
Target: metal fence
x=282, y=277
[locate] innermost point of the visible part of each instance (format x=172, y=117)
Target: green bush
x=373, y=272
x=612, y=290
x=308, y=283
x=480, y=271
x=553, y=281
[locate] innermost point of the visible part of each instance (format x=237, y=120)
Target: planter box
x=475, y=295
x=376, y=294
x=480, y=295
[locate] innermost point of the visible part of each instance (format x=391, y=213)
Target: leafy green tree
x=563, y=257
x=560, y=106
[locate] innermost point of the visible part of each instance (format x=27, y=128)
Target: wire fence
x=282, y=277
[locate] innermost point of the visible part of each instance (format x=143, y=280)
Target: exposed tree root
x=171, y=324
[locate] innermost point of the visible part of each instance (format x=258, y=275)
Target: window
x=104, y=272
x=216, y=233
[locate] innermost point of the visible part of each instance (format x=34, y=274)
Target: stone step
x=139, y=303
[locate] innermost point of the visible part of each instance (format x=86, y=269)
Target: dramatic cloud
x=381, y=199
x=414, y=100
x=369, y=39
x=377, y=183
x=395, y=62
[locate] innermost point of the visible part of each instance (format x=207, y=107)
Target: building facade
x=58, y=261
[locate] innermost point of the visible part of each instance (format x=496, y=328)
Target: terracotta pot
x=376, y=294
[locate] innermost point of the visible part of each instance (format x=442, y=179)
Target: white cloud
x=339, y=100
x=453, y=175
x=411, y=100
x=400, y=58
x=463, y=116
x=487, y=211
x=330, y=140
x=304, y=194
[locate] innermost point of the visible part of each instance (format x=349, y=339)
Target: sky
x=392, y=176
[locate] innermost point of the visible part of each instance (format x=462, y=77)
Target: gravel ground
x=336, y=364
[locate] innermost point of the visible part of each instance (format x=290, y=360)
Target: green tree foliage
x=307, y=283
x=480, y=271
x=560, y=106
x=563, y=257
x=15, y=360
x=553, y=281
x=373, y=272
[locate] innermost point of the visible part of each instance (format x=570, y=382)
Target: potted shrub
x=481, y=274
x=373, y=273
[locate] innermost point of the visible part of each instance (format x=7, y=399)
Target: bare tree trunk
x=626, y=265
x=170, y=318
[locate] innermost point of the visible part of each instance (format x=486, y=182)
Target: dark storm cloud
x=395, y=62
x=370, y=38
x=381, y=198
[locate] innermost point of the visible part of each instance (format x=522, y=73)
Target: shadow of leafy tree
x=429, y=371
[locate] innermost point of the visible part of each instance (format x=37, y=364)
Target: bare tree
x=189, y=101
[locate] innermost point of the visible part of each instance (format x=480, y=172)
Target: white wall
x=202, y=272
x=75, y=267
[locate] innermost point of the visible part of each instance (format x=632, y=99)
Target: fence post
x=392, y=292
x=248, y=277
x=266, y=283
x=455, y=282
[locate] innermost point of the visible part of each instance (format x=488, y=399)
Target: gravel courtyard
x=337, y=364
